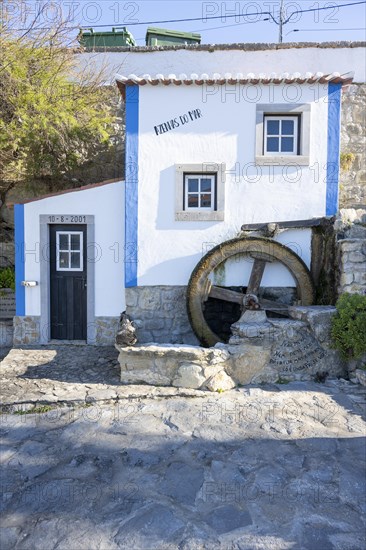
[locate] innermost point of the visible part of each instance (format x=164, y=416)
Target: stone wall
x=351, y=251
x=105, y=331
x=352, y=264
x=28, y=331
x=353, y=140
x=160, y=314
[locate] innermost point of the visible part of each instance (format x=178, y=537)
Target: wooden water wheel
x=262, y=251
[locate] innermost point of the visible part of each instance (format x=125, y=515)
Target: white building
x=215, y=139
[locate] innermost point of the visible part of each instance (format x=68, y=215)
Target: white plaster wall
x=290, y=60
x=169, y=250
x=106, y=203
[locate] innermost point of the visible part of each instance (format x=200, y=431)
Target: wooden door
x=68, y=282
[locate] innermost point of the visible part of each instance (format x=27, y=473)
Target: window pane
x=64, y=260
x=63, y=242
x=75, y=259
x=287, y=144
x=192, y=201
x=288, y=127
x=273, y=127
x=273, y=145
x=206, y=185
x=75, y=242
x=192, y=185
x=206, y=200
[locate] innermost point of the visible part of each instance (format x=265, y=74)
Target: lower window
x=200, y=192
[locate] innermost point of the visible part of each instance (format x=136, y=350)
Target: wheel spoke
x=225, y=294
x=256, y=276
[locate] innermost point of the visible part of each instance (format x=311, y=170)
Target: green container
x=119, y=36
x=164, y=37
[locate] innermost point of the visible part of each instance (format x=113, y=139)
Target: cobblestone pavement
x=278, y=467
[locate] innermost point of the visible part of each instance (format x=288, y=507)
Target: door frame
x=45, y=220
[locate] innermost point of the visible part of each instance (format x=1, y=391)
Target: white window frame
x=280, y=118
x=199, y=193
x=80, y=250
x=217, y=210
x=302, y=157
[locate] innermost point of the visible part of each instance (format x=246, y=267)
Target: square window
x=69, y=248
x=199, y=191
x=280, y=135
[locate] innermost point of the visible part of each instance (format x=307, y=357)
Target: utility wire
x=334, y=30
x=213, y=17
x=319, y=9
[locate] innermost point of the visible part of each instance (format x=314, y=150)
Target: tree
x=53, y=117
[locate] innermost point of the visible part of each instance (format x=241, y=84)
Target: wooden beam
x=314, y=222
x=225, y=294
x=256, y=276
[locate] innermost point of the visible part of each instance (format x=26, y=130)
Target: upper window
x=69, y=246
x=199, y=191
x=281, y=135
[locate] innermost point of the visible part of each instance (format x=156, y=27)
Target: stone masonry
x=160, y=314
x=353, y=140
x=261, y=350
x=352, y=257
x=351, y=250
x=28, y=331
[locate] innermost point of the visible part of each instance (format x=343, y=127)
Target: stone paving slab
x=104, y=467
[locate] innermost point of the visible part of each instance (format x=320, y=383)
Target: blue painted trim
x=334, y=130
x=19, y=259
x=131, y=183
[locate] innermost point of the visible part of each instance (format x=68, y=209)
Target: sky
x=245, y=24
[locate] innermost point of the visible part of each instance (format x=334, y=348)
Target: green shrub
x=349, y=325
x=7, y=278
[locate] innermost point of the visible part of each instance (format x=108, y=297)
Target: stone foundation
x=6, y=333
x=105, y=331
x=28, y=331
x=160, y=314
x=260, y=350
